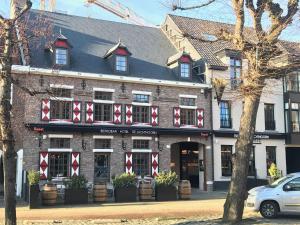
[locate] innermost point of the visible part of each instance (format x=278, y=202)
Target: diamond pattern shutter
x=176, y=116
x=154, y=116
x=89, y=112
x=44, y=162
x=75, y=160
x=117, y=113
x=45, y=110
x=154, y=165
x=128, y=112
x=76, y=112
x=128, y=162
x=200, y=118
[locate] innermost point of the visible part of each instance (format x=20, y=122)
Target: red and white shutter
x=76, y=112
x=128, y=162
x=176, y=116
x=154, y=115
x=200, y=118
x=128, y=114
x=44, y=162
x=89, y=112
x=117, y=113
x=45, y=109
x=154, y=165
x=75, y=160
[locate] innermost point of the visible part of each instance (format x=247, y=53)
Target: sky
x=155, y=11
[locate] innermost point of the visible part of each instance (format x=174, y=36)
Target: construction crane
x=52, y=4
x=120, y=10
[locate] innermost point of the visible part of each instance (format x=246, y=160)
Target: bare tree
x=260, y=54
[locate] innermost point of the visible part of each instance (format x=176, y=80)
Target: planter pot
x=76, y=196
x=49, y=194
x=34, y=196
x=166, y=193
x=125, y=194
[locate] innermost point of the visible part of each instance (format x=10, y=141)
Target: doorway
x=101, y=167
x=292, y=160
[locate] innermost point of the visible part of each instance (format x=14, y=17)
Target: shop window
x=270, y=156
x=102, y=167
x=102, y=143
x=141, y=164
x=225, y=114
x=141, y=144
x=226, y=154
x=269, y=117
x=59, y=164
x=60, y=143
x=103, y=112
x=140, y=114
x=187, y=116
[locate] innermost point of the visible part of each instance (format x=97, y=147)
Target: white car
x=281, y=196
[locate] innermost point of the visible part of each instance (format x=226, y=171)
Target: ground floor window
x=226, y=153
x=102, y=167
x=59, y=164
x=141, y=164
x=252, y=170
x=271, y=157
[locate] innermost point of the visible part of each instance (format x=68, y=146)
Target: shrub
x=33, y=177
x=124, y=180
x=76, y=182
x=166, y=179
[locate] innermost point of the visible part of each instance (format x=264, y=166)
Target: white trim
x=103, y=101
x=60, y=121
x=64, y=73
x=60, y=150
x=142, y=92
x=141, y=138
x=61, y=99
x=103, y=89
x=141, y=103
x=102, y=137
x=141, y=125
x=188, y=107
x=62, y=86
x=187, y=96
x=189, y=126
x=103, y=150
x=141, y=150
x=60, y=135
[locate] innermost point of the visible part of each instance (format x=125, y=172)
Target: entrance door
x=102, y=167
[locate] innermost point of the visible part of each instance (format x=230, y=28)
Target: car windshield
x=280, y=181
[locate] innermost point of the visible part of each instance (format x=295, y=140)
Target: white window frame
x=189, y=70
x=126, y=63
x=60, y=135
x=56, y=54
x=63, y=86
x=60, y=149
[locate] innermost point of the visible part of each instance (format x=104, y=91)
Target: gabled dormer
x=61, y=49
x=118, y=57
x=182, y=64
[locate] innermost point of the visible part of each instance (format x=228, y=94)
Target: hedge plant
x=166, y=179
x=124, y=180
x=76, y=182
x=33, y=177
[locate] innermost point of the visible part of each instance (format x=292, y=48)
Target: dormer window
x=121, y=63
x=61, y=56
x=185, y=69
x=182, y=64
x=61, y=51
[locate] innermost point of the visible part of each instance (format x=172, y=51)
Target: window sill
x=60, y=150
x=103, y=123
x=141, y=104
x=103, y=150
x=141, y=124
x=60, y=121
x=141, y=150
x=187, y=107
x=103, y=101
x=189, y=126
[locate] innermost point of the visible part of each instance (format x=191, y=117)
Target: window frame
x=121, y=65
x=233, y=68
x=270, y=123
x=104, y=145
x=252, y=167
x=270, y=149
x=141, y=114
x=103, y=116
x=185, y=69
x=225, y=115
x=60, y=110
x=66, y=164
x=185, y=119
x=146, y=166
x=228, y=161
x=61, y=59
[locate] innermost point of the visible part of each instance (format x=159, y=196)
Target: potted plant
x=76, y=191
x=125, y=189
x=165, y=186
x=34, y=189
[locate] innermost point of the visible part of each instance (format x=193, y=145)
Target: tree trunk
x=9, y=154
x=234, y=205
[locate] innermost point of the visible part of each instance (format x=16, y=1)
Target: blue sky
x=154, y=11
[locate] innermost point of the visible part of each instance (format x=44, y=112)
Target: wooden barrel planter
x=100, y=193
x=145, y=191
x=184, y=189
x=49, y=194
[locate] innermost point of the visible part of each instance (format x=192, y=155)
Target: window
x=59, y=164
x=101, y=95
x=235, y=71
x=61, y=92
x=295, y=184
x=140, y=114
x=188, y=101
x=252, y=169
x=121, y=63
x=60, y=143
x=185, y=70
x=60, y=110
x=292, y=82
x=141, y=144
x=102, y=143
x=187, y=116
x=225, y=114
x=269, y=117
x=226, y=153
x=270, y=156
x=61, y=56
x=103, y=112
x=102, y=167
x=141, y=98
x=141, y=163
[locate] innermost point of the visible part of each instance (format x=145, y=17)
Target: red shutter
x=76, y=112
x=154, y=165
x=128, y=162
x=44, y=162
x=75, y=160
x=176, y=116
x=45, y=109
x=89, y=112
x=154, y=115
x=200, y=118
x=128, y=112
x=117, y=114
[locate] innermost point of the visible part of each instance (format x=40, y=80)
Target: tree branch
x=176, y=7
x=23, y=11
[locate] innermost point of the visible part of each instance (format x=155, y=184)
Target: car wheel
x=269, y=209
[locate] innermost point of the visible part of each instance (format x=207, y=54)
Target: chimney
x=16, y=6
